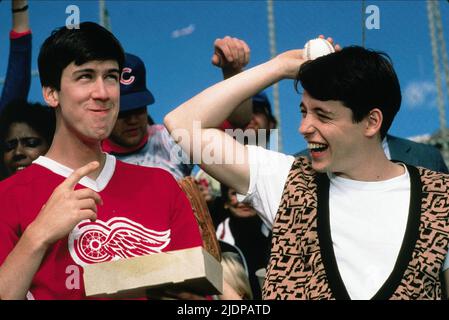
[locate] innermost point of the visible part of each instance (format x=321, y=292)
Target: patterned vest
x=303, y=265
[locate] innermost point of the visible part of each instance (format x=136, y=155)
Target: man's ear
x=374, y=121
x=51, y=96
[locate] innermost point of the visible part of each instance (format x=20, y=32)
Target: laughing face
x=333, y=139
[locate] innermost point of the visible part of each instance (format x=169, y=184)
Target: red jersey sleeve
x=226, y=125
x=9, y=223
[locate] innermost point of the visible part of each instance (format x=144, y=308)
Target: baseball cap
x=261, y=104
x=134, y=93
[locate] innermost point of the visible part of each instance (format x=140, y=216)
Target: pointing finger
x=80, y=173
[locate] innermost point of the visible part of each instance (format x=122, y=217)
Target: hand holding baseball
x=288, y=63
x=319, y=47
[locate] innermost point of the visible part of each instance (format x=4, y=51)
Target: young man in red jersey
x=77, y=205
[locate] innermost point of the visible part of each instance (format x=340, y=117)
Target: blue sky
x=175, y=39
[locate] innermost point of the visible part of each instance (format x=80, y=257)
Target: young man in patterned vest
x=349, y=223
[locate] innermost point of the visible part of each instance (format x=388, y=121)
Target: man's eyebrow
x=319, y=109
x=86, y=70
x=323, y=110
x=90, y=70
x=113, y=70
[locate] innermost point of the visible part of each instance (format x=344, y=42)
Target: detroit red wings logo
x=93, y=242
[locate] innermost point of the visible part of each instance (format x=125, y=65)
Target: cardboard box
x=192, y=270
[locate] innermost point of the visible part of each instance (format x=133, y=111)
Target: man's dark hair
x=39, y=117
x=360, y=78
x=64, y=46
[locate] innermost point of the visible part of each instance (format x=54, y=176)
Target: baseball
x=316, y=48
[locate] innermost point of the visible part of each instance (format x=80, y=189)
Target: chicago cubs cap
x=134, y=93
x=261, y=104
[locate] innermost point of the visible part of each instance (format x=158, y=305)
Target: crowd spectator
x=18, y=74
x=26, y=132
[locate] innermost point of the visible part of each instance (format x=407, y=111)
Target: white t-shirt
x=367, y=227
x=368, y=222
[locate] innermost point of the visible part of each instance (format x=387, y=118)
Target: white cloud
x=183, y=32
x=420, y=94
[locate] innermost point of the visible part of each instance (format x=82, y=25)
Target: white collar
x=97, y=185
x=370, y=185
x=386, y=148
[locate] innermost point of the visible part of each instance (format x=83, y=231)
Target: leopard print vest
x=302, y=263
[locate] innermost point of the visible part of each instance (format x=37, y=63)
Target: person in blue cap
x=135, y=137
x=262, y=116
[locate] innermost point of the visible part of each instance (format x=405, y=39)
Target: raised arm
x=18, y=74
x=65, y=208
x=20, y=17
x=232, y=55
x=191, y=123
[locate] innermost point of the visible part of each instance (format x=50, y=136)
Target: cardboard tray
x=192, y=270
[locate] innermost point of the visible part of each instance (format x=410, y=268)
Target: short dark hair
x=39, y=117
x=362, y=79
x=64, y=46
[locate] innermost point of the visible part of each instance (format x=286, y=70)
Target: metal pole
x=363, y=23
x=442, y=42
x=436, y=67
x=104, y=15
x=441, y=137
x=273, y=53
x=101, y=7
